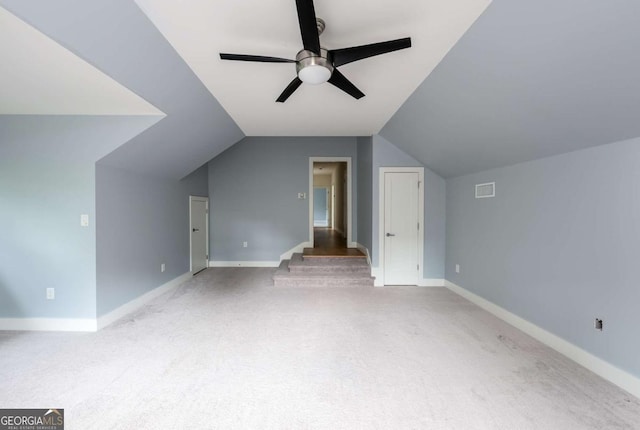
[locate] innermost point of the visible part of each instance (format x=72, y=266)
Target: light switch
x=84, y=220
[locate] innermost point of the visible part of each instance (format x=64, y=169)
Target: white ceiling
x=43, y=78
x=200, y=29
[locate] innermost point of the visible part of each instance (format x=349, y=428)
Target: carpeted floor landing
x=227, y=350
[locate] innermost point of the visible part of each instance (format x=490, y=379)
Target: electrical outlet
x=51, y=293
x=598, y=324
x=84, y=220
x=162, y=267
x=457, y=268
x=245, y=244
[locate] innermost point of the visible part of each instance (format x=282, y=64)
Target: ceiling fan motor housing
x=313, y=68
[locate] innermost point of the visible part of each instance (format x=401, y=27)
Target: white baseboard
x=379, y=282
x=431, y=282
x=89, y=324
x=606, y=370
x=138, y=302
x=376, y=272
x=296, y=249
x=365, y=251
x=48, y=324
x=244, y=263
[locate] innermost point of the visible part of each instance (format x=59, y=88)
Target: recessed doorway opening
x=330, y=192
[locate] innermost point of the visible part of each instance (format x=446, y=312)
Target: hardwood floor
x=329, y=243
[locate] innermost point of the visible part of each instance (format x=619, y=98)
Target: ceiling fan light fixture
x=312, y=68
x=314, y=74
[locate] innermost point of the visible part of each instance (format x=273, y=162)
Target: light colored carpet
x=228, y=351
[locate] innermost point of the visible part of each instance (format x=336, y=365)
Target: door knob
x=195, y=229
x=390, y=234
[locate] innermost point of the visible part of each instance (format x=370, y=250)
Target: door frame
x=381, y=218
x=206, y=200
x=349, y=190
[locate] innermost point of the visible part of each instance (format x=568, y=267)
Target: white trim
x=349, y=194
x=493, y=187
x=296, y=249
x=48, y=324
x=611, y=373
x=90, y=324
x=332, y=195
x=364, y=250
x=425, y=282
x=244, y=263
x=140, y=301
x=377, y=273
x=381, y=196
x=200, y=199
x=431, y=282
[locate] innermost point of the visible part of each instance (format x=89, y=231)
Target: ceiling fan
x=315, y=64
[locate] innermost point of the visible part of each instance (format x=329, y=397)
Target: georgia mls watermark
x=31, y=419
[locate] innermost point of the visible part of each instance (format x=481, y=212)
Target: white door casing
x=401, y=225
x=198, y=233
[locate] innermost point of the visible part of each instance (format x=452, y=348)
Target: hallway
x=327, y=242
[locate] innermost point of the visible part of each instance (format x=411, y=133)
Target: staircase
x=309, y=271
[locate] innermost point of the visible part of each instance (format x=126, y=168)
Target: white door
x=401, y=228
x=199, y=231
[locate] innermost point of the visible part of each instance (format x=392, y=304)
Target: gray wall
x=558, y=245
x=385, y=154
x=47, y=179
x=253, y=188
x=143, y=221
x=365, y=191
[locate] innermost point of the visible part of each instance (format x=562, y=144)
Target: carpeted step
x=326, y=265
x=323, y=272
x=322, y=280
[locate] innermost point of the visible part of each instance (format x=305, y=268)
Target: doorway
x=330, y=206
x=198, y=233
x=401, y=225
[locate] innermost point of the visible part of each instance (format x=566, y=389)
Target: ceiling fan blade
x=258, y=58
x=308, y=25
x=349, y=55
x=339, y=80
x=289, y=90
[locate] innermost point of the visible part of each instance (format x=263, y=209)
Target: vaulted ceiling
x=527, y=80
x=200, y=30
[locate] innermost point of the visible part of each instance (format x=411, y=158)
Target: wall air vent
x=485, y=190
